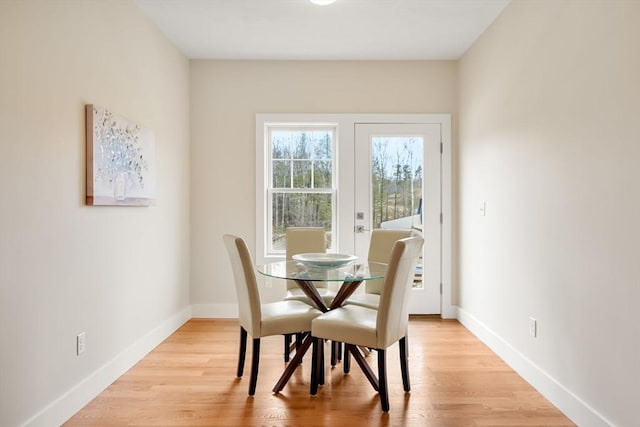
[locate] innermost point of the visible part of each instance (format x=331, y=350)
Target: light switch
x=483, y=208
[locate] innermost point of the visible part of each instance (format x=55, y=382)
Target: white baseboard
x=64, y=407
x=214, y=311
x=571, y=405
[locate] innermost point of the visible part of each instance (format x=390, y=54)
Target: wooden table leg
x=295, y=362
x=366, y=369
x=346, y=290
x=310, y=290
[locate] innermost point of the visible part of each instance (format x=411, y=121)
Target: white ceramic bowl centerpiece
x=324, y=260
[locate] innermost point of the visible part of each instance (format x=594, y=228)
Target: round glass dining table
x=351, y=276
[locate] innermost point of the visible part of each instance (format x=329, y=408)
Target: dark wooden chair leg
x=382, y=380
x=321, y=363
x=346, y=360
x=404, y=363
x=242, y=351
x=255, y=362
x=299, y=337
x=334, y=353
x=315, y=357
x=287, y=347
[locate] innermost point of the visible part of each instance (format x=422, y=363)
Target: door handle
x=361, y=229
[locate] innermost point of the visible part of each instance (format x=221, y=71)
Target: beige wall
x=65, y=268
x=226, y=95
x=549, y=108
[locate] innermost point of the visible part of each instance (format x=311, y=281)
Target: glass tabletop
x=354, y=272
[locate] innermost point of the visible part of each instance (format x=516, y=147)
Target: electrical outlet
x=533, y=327
x=80, y=344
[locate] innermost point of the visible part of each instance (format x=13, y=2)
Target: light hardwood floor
x=189, y=380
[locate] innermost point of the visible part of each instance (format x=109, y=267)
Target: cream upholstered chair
x=257, y=319
x=380, y=246
x=306, y=240
x=301, y=240
x=376, y=329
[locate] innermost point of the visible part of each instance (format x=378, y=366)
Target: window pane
x=302, y=145
x=280, y=144
x=301, y=158
x=322, y=145
x=302, y=174
x=299, y=210
x=282, y=173
x=322, y=174
x=396, y=179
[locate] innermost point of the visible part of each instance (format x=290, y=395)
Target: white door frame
x=345, y=139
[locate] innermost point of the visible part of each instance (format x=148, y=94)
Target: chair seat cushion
x=351, y=324
x=286, y=317
x=298, y=295
x=365, y=300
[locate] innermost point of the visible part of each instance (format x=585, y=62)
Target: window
x=301, y=181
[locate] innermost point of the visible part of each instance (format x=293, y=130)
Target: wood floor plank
x=189, y=380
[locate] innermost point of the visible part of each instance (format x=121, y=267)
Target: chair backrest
x=249, y=307
x=393, y=309
x=380, y=247
x=301, y=240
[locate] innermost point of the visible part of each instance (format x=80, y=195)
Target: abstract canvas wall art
x=120, y=160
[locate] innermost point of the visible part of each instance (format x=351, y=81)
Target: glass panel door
x=397, y=186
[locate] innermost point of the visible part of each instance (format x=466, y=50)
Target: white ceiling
x=300, y=30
